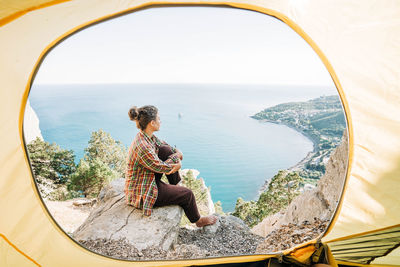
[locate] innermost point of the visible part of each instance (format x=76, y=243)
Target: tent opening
x=246, y=100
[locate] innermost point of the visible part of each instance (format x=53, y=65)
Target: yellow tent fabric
x=359, y=43
x=12, y=256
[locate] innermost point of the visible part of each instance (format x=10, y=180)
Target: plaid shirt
x=140, y=186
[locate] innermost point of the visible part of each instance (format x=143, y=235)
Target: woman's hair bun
x=133, y=113
x=143, y=115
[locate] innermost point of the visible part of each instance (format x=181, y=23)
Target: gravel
x=290, y=235
x=232, y=237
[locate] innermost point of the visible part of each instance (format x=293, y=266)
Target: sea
x=210, y=123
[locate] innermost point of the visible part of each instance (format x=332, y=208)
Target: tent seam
x=17, y=249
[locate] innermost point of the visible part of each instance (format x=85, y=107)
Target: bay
x=209, y=123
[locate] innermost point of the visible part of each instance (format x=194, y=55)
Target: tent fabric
x=12, y=256
x=394, y=258
x=358, y=41
x=13, y=9
x=365, y=248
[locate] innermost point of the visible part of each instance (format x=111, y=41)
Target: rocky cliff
x=205, y=204
x=31, y=124
x=317, y=204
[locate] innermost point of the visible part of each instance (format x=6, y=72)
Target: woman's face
x=156, y=123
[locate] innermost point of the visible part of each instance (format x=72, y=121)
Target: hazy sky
x=186, y=45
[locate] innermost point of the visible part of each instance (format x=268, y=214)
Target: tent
x=358, y=42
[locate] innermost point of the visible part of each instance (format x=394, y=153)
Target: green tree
x=50, y=161
x=196, y=185
x=245, y=210
x=104, y=160
x=282, y=189
x=103, y=147
x=218, y=208
x=90, y=177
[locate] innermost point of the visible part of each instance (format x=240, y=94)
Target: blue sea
x=234, y=153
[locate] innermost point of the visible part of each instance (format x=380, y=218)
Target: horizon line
x=187, y=83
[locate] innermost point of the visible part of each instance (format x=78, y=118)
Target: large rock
x=113, y=220
x=31, y=124
x=267, y=225
x=319, y=202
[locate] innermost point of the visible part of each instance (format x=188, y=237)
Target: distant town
x=321, y=119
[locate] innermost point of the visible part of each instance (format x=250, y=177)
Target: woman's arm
x=149, y=159
x=160, y=142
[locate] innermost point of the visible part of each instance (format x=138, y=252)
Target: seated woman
x=150, y=157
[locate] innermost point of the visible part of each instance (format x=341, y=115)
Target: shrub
x=51, y=162
x=103, y=147
x=282, y=189
x=200, y=193
x=90, y=177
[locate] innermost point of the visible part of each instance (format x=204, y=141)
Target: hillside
x=321, y=119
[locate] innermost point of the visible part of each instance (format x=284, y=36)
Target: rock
x=112, y=220
x=267, y=225
x=322, y=201
x=235, y=222
x=83, y=202
x=319, y=202
x=212, y=229
x=31, y=124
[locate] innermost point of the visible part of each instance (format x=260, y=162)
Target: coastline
x=299, y=165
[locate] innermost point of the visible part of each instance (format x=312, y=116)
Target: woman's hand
x=175, y=168
x=180, y=155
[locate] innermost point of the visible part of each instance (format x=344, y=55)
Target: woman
x=150, y=157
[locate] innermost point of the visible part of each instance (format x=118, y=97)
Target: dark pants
x=172, y=194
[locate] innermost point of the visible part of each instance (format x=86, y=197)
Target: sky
x=185, y=45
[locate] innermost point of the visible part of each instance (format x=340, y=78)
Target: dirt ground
x=68, y=215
